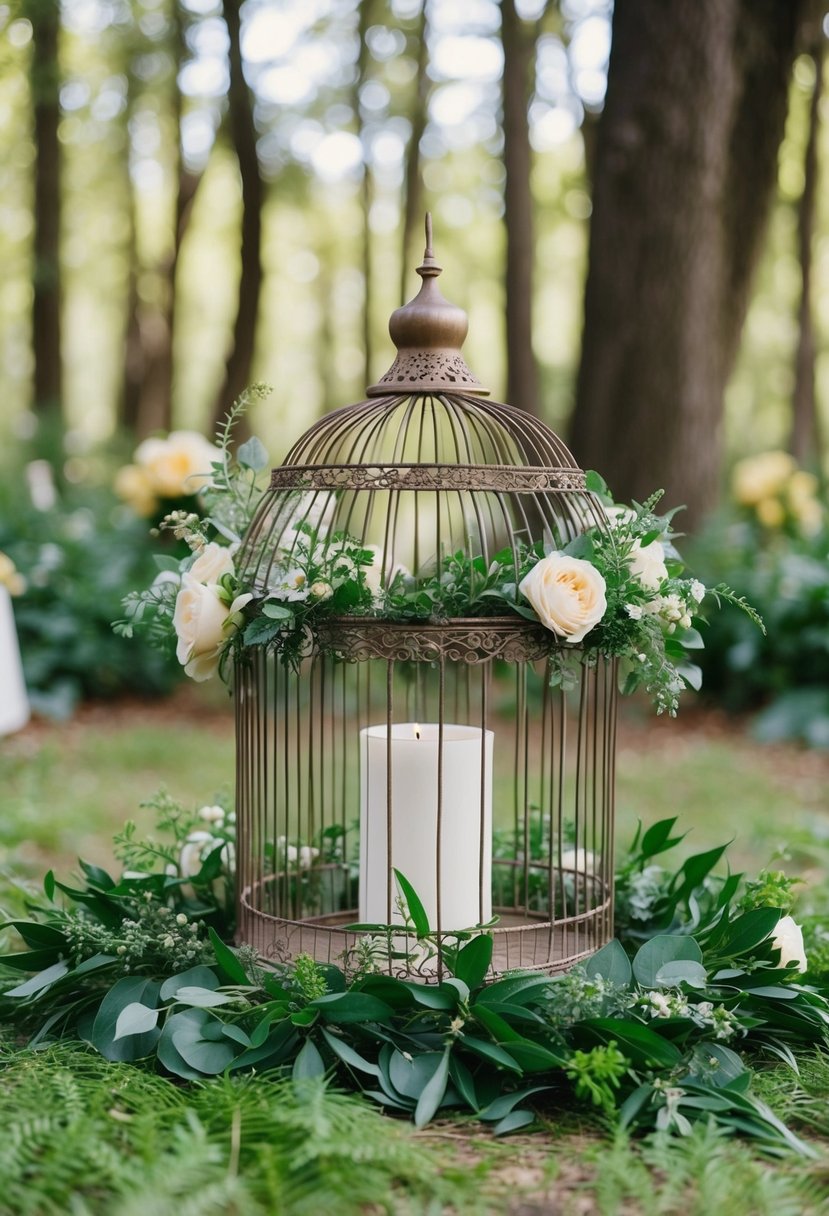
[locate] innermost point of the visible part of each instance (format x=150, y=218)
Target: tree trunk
x=147, y=391
x=413, y=173
x=685, y=168
x=365, y=13
x=243, y=133
x=46, y=278
x=519, y=54
x=804, y=438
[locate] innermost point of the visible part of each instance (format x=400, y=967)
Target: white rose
x=213, y=562
x=199, y=621
x=307, y=856
x=788, y=939
x=577, y=859
x=321, y=591
x=196, y=847
x=178, y=465
x=212, y=814
x=619, y=516
x=648, y=564
x=567, y=593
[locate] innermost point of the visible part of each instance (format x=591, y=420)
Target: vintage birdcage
x=440, y=747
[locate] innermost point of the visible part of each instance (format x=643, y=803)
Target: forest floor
x=66, y=788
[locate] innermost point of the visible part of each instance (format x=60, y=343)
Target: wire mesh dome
x=414, y=764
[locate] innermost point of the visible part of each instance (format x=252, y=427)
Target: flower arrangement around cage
x=618, y=590
x=660, y=1030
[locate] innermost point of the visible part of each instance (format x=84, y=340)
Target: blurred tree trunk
x=147, y=392
x=685, y=169
x=365, y=21
x=46, y=277
x=518, y=38
x=804, y=443
x=412, y=172
x=243, y=134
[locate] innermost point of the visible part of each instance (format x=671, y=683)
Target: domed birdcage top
x=426, y=466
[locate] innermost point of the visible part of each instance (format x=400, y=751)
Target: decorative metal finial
x=428, y=333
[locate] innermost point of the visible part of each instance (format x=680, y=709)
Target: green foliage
x=79, y=558
x=665, y=1039
x=784, y=672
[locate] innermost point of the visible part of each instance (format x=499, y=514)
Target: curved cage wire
x=518, y=828
x=405, y=784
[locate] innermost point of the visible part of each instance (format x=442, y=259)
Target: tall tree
x=686, y=163
x=243, y=135
x=44, y=16
x=364, y=23
x=412, y=168
x=518, y=38
x=805, y=429
x=147, y=392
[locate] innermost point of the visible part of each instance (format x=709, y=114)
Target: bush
x=79, y=556
x=779, y=560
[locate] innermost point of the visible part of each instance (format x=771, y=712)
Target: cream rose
x=213, y=562
x=178, y=465
x=788, y=939
x=567, y=593
x=199, y=621
x=648, y=564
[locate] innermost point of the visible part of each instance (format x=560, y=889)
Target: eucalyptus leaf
x=135, y=1019
x=611, y=963
x=308, y=1064
x=432, y=1095
x=662, y=949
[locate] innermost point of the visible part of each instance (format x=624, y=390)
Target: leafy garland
x=658, y=1032
x=647, y=619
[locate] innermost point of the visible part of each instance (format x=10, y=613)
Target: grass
x=67, y=789
x=82, y=1136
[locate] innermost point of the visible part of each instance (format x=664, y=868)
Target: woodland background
x=198, y=193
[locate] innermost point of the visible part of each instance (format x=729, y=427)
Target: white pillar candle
x=14, y=703
x=417, y=786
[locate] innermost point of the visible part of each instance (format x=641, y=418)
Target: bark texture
x=804, y=444
x=685, y=168
x=518, y=40
x=46, y=277
x=243, y=134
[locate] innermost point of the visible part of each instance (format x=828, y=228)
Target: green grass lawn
x=65, y=789
x=89, y=1137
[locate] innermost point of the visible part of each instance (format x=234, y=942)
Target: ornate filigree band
x=499, y=478
x=463, y=640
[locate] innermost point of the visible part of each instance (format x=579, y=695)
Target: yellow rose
x=178, y=465
x=199, y=621
x=567, y=593
x=759, y=477
x=770, y=512
x=213, y=562
x=10, y=578
x=134, y=485
x=802, y=487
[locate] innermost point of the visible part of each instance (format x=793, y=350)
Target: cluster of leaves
x=785, y=672
x=79, y=556
x=661, y=1040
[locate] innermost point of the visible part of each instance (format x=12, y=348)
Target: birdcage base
x=521, y=941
